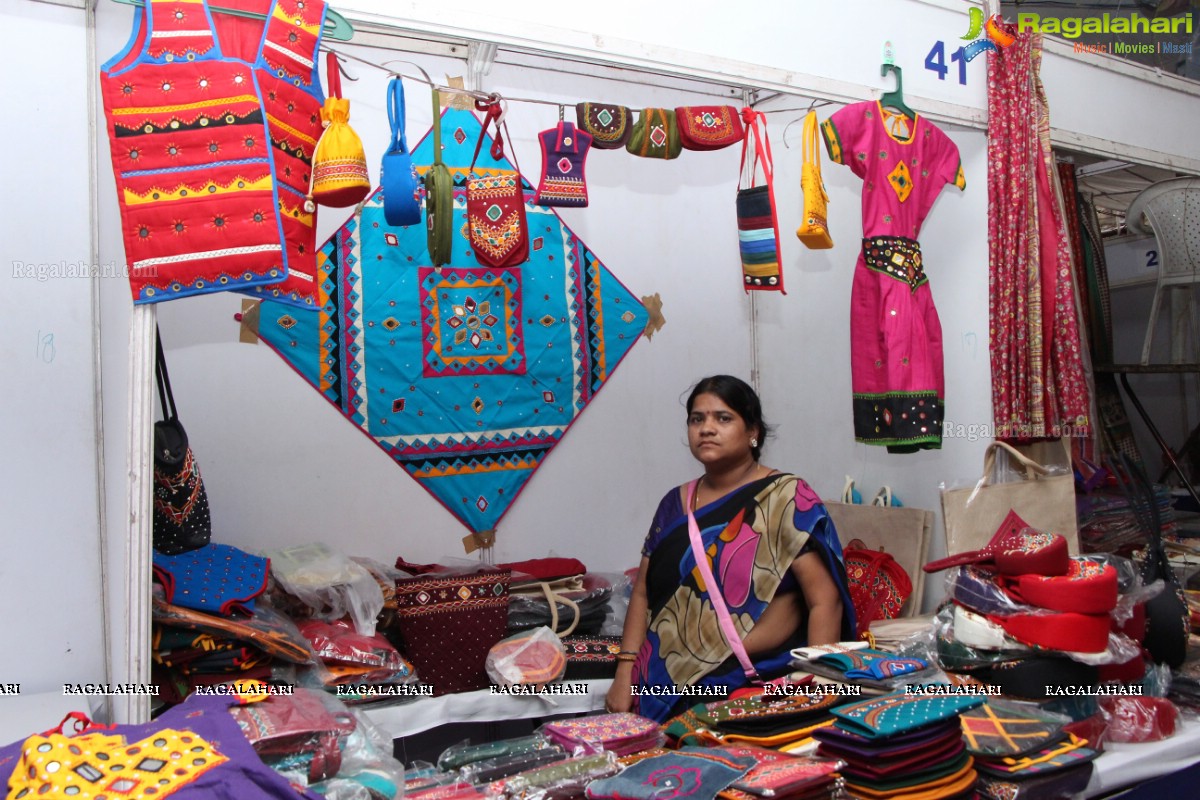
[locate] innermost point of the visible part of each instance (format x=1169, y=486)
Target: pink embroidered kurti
x=895, y=334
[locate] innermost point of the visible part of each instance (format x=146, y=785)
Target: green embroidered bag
x=439, y=196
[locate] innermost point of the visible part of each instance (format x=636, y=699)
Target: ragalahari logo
x=994, y=34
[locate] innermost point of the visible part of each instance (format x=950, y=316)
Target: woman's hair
x=739, y=396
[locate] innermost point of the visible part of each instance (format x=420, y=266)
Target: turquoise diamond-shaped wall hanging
x=465, y=375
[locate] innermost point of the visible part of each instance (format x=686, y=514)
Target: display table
x=484, y=705
x=1123, y=765
x=1120, y=766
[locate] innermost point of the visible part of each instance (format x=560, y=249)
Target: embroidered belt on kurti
x=895, y=257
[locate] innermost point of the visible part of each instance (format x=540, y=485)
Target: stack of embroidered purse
x=698, y=773
x=902, y=746
x=867, y=667
x=782, y=776
x=970, y=639
x=621, y=733
x=769, y=720
x=1059, y=769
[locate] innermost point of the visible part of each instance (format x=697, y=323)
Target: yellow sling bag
x=814, y=227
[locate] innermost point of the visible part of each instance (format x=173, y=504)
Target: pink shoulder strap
x=714, y=592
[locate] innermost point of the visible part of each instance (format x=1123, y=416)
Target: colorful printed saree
x=751, y=535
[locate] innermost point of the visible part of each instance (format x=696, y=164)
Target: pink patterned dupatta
x=1039, y=388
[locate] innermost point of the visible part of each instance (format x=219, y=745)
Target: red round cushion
x=1087, y=588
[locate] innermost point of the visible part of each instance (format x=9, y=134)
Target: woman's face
x=717, y=433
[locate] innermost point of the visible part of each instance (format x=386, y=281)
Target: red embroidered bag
x=449, y=622
x=879, y=586
x=496, y=224
x=708, y=127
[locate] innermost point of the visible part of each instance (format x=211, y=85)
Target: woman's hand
x=634, y=633
x=619, y=697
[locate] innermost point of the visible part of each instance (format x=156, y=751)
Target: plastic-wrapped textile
x=329, y=583
x=464, y=753
x=621, y=732
x=533, y=657
x=493, y=769
x=561, y=778
x=304, y=724
x=268, y=630
x=337, y=642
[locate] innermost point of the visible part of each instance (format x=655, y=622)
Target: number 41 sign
x=936, y=61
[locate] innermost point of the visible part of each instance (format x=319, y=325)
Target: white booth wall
x=282, y=467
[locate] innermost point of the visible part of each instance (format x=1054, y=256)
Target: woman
x=774, y=555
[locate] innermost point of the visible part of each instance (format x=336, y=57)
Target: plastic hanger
x=895, y=99
x=337, y=27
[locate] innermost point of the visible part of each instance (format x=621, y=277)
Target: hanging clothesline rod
x=336, y=26
x=479, y=95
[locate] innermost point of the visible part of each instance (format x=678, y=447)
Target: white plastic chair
x=1170, y=210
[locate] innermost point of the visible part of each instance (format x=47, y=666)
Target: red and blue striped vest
x=212, y=129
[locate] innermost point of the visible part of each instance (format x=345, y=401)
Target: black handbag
x=1167, y=624
x=180, y=515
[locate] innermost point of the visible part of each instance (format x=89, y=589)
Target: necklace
x=741, y=480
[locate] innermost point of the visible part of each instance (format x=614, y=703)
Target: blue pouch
x=397, y=177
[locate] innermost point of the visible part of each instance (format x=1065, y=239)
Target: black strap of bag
x=1167, y=627
x=170, y=440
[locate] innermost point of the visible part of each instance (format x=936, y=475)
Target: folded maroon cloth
x=544, y=569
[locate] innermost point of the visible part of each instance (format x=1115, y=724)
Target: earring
x=753, y=443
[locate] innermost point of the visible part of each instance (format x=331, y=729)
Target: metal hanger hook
x=341, y=65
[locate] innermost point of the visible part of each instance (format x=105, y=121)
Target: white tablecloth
x=1124, y=765
x=483, y=706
